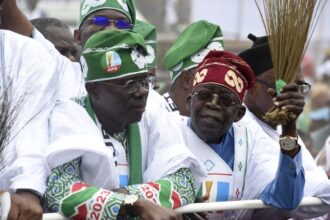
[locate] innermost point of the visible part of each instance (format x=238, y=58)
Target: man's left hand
x=25, y=206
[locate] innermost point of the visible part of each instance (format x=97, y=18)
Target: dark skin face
x=87, y=28
x=210, y=119
x=128, y=107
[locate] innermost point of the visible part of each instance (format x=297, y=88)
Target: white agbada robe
x=261, y=164
x=33, y=74
x=316, y=181
x=74, y=134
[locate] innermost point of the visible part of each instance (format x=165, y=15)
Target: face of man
x=89, y=26
x=120, y=101
x=214, y=108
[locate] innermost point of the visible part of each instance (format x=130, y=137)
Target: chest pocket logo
x=200, y=76
x=232, y=79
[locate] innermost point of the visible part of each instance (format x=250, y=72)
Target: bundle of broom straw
x=289, y=25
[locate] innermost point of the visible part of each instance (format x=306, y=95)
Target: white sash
x=222, y=184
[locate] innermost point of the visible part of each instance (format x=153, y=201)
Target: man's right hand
x=147, y=210
x=25, y=206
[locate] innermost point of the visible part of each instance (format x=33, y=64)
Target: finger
x=271, y=92
x=13, y=214
x=289, y=95
x=293, y=108
x=290, y=87
x=290, y=102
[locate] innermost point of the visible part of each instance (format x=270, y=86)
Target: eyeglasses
x=105, y=21
x=132, y=86
x=223, y=100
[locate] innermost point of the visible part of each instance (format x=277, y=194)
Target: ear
x=91, y=90
x=77, y=35
x=186, y=80
x=188, y=102
x=241, y=113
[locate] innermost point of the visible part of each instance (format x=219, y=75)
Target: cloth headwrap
x=258, y=56
x=113, y=54
x=225, y=69
x=126, y=7
x=192, y=46
x=148, y=32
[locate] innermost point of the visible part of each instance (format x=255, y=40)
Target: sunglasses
x=105, y=21
x=207, y=96
x=132, y=86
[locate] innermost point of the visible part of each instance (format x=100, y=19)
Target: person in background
x=258, y=101
x=60, y=35
x=189, y=49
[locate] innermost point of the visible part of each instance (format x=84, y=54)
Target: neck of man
x=111, y=125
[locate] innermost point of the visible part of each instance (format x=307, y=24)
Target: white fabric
x=316, y=181
x=215, y=167
x=71, y=77
x=74, y=135
x=262, y=165
x=33, y=74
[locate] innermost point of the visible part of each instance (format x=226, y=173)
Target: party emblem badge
x=112, y=62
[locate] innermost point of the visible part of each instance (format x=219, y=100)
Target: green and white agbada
x=152, y=151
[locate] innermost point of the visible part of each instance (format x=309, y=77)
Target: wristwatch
x=288, y=143
x=128, y=203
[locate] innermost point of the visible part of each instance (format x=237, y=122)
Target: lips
x=211, y=118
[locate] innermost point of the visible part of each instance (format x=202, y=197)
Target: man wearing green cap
x=95, y=15
x=145, y=159
x=190, y=48
x=258, y=101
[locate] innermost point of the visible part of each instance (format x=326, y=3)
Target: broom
x=289, y=25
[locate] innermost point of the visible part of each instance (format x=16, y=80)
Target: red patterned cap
x=225, y=69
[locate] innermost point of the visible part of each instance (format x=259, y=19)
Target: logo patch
x=138, y=58
x=112, y=62
x=200, y=76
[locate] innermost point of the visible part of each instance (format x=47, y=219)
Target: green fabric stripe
x=135, y=154
x=165, y=193
x=71, y=203
x=89, y=108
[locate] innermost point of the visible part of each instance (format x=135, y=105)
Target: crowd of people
x=86, y=135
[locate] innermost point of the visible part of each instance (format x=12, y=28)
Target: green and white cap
x=192, y=45
x=127, y=7
x=148, y=32
x=113, y=54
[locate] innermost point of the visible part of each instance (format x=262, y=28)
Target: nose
x=214, y=102
x=141, y=91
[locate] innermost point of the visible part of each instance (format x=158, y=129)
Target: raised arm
x=13, y=19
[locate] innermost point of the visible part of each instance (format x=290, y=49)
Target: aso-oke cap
x=148, y=32
x=258, y=56
x=126, y=7
x=113, y=54
x=225, y=69
x=192, y=46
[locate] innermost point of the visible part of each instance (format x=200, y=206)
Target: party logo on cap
x=88, y=4
x=112, y=62
x=151, y=55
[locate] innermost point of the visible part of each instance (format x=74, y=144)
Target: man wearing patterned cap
x=185, y=54
x=258, y=101
x=239, y=161
x=143, y=155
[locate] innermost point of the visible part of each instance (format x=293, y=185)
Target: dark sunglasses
x=207, y=96
x=132, y=86
x=104, y=21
